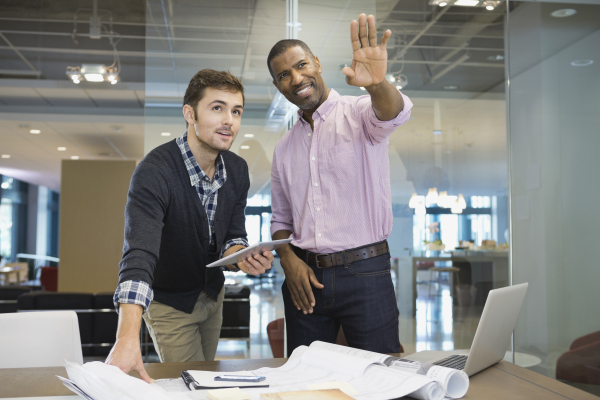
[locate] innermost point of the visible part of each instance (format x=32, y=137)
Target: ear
x=318, y=64
x=277, y=86
x=188, y=114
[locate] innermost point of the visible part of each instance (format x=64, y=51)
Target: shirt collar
x=325, y=108
x=194, y=170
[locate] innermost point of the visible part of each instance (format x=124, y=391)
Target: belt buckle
x=317, y=255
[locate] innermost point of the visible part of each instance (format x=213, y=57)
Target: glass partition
x=449, y=169
x=554, y=106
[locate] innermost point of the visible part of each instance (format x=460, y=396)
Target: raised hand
x=369, y=61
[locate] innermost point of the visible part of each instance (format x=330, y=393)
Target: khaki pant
x=179, y=336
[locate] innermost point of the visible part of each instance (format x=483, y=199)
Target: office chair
x=39, y=339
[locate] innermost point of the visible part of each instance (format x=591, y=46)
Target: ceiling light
x=244, y=147
x=497, y=57
x=390, y=78
x=401, y=81
x=165, y=134
x=74, y=157
x=582, y=63
x=443, y=199
x=437, y=132
x=61, y=149
x=35, y=131
x=490, y=5
x=412, y=203
x=432, y=196
x=93, y=73
x=466, y=3
x=420, y=209
x=248, y=135
x=443, y=4
x=450, y=87
x=461, y=201
x=564, y=12
x=5, y=155
x=456, y=209
x=362, y=88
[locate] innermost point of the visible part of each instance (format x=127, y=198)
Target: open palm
x=369, y=61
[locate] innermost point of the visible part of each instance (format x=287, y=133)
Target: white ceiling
x=164, y=43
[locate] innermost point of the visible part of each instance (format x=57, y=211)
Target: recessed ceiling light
x=35, y=131
x=497, y=57
x=362, y=88
x=399, y=87
x=62, y=149
x=565, y=12
x=244, y=147
x=466, y=3
x=5, y=155
x=248, y=135
x=582, y=63
x=437, y=132
x=450, y=87
x=165, y=134
x=74, y=157
x=94, y=77
x=443, y=4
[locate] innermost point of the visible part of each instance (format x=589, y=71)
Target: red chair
x=49, y=278
x=581, y=363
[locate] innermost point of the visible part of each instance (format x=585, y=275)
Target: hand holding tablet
x=251, y=251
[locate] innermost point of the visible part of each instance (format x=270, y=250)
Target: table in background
x=489, y=267
x=501, y=381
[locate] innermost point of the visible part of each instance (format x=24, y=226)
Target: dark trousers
x=359, y=297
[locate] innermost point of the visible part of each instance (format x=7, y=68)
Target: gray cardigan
x=166, y=227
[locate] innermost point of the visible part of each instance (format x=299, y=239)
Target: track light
x=93, y=73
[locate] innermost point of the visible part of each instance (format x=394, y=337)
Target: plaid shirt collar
x=194, y=170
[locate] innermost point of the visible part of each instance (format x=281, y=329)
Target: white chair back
x=39, y=339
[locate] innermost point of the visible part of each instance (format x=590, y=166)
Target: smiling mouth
x=224, y=133
x=303, y=90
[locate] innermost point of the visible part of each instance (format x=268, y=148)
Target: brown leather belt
x=344, y=257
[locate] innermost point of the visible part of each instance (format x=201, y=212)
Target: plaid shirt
x=138, y=292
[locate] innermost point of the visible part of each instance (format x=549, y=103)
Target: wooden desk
x=501, y=381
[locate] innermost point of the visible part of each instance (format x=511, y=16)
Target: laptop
x=491, y=338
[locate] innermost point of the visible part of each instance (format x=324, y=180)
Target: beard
x=310, y=103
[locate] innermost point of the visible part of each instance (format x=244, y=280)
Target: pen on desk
x=191, y=384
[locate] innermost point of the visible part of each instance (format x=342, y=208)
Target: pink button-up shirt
x=331, y=187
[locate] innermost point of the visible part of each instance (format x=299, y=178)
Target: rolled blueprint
x=454, y=382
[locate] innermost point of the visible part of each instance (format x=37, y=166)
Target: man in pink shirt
x=331, y=193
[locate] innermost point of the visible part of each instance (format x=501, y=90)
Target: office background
x=506, y=114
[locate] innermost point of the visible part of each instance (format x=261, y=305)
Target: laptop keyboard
x=455, y=362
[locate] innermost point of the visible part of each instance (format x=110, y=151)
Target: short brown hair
x=221, y=80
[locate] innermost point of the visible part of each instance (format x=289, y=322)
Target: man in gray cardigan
x=185, y=209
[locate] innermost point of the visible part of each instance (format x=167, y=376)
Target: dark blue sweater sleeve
x=237, y=224
x=147, y=202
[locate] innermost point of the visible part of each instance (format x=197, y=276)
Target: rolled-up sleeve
x=282, y=218
x=378, y=130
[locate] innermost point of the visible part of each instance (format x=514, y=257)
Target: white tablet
x=249, y=252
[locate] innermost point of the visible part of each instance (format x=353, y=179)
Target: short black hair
x=221, y=80
x=282, y=46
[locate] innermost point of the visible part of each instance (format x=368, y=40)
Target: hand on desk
x=127, y=353
x=258, y=264
x=299, y=277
